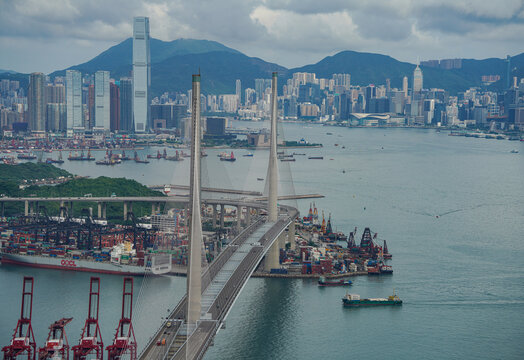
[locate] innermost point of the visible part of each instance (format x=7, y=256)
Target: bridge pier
x=222, y=211
x=104, y=208
x=125, y=210
x=71, y=208
x=272, y=260
x=99, y=206
x=248, y=216
x=26, y=208
x=291, y=235
x=214, y=216
x=36, y=207
x=239, y=218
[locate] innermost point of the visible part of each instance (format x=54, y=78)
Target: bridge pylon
x=194, y=273
x=272, y=257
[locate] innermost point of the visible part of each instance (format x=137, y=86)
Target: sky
x=48, y=35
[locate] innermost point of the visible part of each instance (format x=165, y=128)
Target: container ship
x=121, y=259
x=355, y=300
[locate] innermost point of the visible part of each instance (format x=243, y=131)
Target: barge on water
x=323, y=281
x=355, y=300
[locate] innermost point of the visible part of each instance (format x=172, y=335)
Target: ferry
x=353, y=300
x=227, y=157
x=323, y=281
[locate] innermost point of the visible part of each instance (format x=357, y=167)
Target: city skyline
x=400, y=29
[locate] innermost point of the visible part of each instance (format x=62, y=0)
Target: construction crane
x=124, y=342
x=91, y=339
x=23, y=341
x=56, y=345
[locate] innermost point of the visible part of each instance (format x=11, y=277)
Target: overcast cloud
x=45, y=35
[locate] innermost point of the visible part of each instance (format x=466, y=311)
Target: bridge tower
x=273, y=254
x=194, y=286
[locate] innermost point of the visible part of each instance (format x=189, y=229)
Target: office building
x=36, y=102
x=141, y=74
x=417, y=80
x=74, y=99
x=102, y=101
x=238, y=91
x=114, y=106
x=126, y=104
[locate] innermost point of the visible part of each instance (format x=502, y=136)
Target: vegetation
x=101, y=186
x=30, y=171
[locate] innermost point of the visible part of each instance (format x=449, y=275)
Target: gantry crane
x=91, y=339
x=56, y=345
x=23, y=341
x=124, y=342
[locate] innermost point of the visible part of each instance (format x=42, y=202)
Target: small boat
x=323, y=281
x=248, y=155
x=228, y=157
x=167, y=189
x=298, y=154
x=316, y=158
x=328, y=133
x=355, y=300
x=288, y=159
x=514, y=151
x=260, y=179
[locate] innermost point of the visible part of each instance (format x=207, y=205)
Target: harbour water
x=451, y=209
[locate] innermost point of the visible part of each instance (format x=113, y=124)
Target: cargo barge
x=355, y=300
x=323, y=281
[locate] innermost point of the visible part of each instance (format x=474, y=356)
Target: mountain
x=172, y=63
x=369, y=68
x=2, y=71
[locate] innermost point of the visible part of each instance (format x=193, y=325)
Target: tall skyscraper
x=405, y=86
x=238, y=91
x=141, y=74
x=36, y=102
x=126, y=104
x=102, y=97
x=417, y=80
x=114, y=106
x=90, y=118
x=74, y=99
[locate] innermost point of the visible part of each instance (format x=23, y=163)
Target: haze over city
x=290, y=33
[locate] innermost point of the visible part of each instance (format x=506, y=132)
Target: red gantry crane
x=56, y=345
x=91, y=340
x=124, y=342
x=23, y=341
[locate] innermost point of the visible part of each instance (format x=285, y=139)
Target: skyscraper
x=36, y=102
x=141, y=74
x=126, y=104
x=102, y=107
x=114, y=106
x=74, y=99
x=405, y=86
x=417, y=79
x=238, y=91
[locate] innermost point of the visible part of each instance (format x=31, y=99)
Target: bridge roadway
x=222, y=282
x=207, y=189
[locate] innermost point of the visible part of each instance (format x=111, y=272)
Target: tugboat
x=355, y=300
x=323, y=281
x=228, y=157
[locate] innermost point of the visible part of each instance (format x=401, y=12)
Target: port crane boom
x=56, y=345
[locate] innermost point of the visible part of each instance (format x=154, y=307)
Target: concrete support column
x=26, y=208
x=239, y=217
x=131, y=207
x=36, y=207
x=153, y=209
x=71, y=208
x=248, y=216
x=272, y=257
x=62, y=209
x=99, y=206
x=291, y=235
x=222, y=211
x=158, y=208
x=282, y=240
x=214, y=216
x=104, y=208
x=31, y=207
x=125, y=210
x=90, y=211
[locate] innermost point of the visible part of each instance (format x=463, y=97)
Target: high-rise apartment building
x=238, y=91
x=74, y=99
x=36, y=102
x=126, y=104
x=102, y=103
x=405, y=86
x=141, y=74
x=417, y=80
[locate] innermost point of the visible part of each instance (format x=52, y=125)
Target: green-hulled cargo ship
x=355, y=300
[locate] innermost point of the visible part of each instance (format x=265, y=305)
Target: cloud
x=290, y=32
